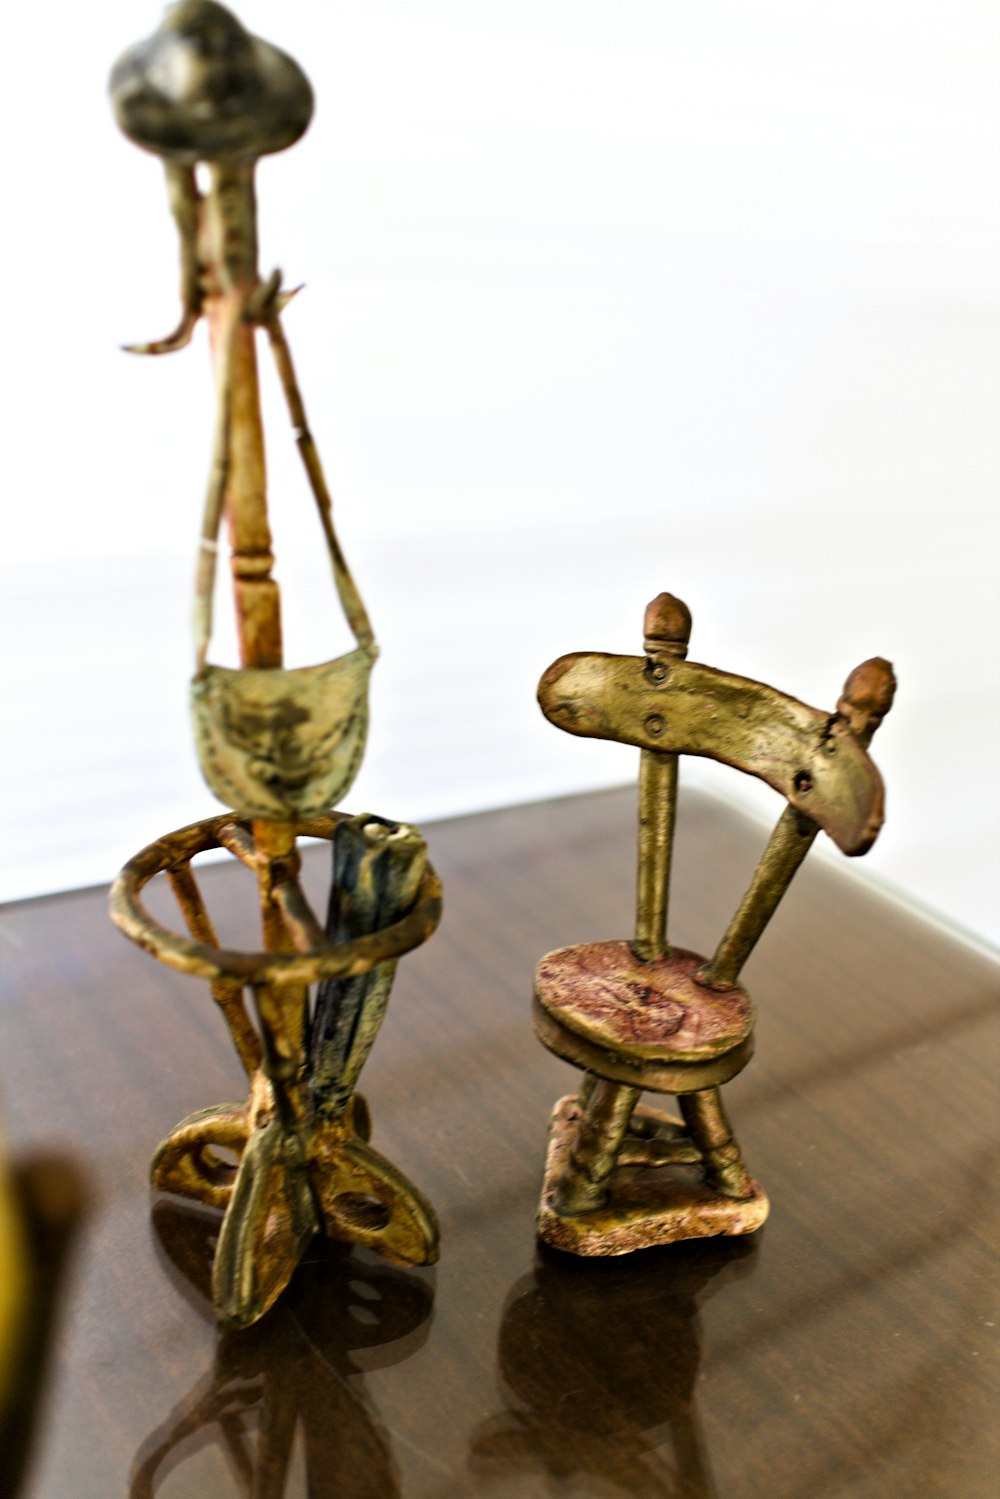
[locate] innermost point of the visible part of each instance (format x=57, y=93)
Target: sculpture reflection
x=285, y=1381
x=598, y=1361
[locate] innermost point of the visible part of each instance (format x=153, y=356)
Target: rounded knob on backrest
x=867, y=697
x=666, y=626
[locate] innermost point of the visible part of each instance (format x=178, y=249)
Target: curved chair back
x=667, y=706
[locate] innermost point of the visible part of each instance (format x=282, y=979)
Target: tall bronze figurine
x=278, y=747
x=645, y=1015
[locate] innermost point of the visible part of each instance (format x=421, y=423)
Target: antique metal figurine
x=278, y=747
x=645, y=1015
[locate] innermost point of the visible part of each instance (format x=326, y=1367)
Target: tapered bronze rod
x=657, y=807
x=299, y=917
x=227, y=993
x=595, y=1149
x=239, y=843
x=357, y=614
x=667, y=630
x=230, y=212
x=788, y=845
x=709, y=1127
x=230, y=229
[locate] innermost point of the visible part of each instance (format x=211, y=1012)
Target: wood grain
x=848, y=1349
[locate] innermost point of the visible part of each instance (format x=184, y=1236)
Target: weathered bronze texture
x=278, y=747
x=644, y=1014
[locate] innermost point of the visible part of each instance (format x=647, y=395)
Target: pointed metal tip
x=178, y=339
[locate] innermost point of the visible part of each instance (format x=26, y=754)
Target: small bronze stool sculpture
x=645, y=1015
x=278, y=747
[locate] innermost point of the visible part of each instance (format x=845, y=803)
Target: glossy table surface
x=847, y=1349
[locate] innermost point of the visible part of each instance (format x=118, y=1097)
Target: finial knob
x=867, y=696
x=667, y=626
x=201, y=88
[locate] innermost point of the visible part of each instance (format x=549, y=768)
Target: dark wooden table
x=848, y=1349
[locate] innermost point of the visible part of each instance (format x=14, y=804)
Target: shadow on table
x=597, y=1364
x=287, y=1377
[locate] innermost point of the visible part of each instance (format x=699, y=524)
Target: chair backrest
x=667, y=706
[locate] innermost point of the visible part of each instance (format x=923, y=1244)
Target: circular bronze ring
x=343, y=960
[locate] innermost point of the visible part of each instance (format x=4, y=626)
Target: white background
x=603, y=297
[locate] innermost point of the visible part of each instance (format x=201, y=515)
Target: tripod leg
x=711, y=1131
x=599, y=1135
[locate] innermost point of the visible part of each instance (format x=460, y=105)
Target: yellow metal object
x=41, y=1205
x=279, y=747
x=645, y=1015
x=13, y=1279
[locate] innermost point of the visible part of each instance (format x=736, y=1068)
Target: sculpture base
x=644, y=1205
x=278, y=1189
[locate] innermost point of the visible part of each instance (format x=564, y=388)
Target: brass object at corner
x=13, y=1279
x=278, y=747
x=42, y=1203
x=644, y=1015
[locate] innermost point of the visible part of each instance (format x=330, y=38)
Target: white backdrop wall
x=603, y=297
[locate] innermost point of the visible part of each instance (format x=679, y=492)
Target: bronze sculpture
x=646, y=1015
x=278, y=747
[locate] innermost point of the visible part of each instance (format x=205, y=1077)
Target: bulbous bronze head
x=201, y=88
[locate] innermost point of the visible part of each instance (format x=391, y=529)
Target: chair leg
x=712, y=1132
x=587, y=1085
x=602, y=1128
x=592, y=1205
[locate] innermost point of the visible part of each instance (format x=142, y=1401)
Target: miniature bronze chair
x=644, y=1015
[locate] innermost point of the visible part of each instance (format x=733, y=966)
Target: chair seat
x=654, y=1011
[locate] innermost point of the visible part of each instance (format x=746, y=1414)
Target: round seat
x=641, y=1012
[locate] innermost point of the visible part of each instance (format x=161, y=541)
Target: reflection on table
x=287, y=1377
x=581, y=1404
